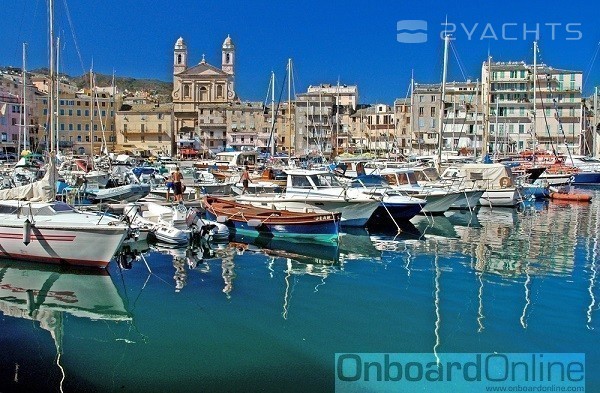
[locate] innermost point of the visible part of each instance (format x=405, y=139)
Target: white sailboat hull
x=79, y=245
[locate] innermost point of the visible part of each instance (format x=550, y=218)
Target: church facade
x=201, y=95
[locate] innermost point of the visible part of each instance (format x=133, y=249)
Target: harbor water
x=265, y=315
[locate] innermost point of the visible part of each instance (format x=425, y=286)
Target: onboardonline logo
x=452, y=372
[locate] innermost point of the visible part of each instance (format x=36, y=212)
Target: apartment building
x=16, y=126
x=144, y=128
x=516, y=121
x=377, y=125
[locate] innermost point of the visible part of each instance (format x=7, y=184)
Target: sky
x=356, y=42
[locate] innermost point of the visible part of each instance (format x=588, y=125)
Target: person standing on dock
x=177, y=186
x=169, y=184
x=245, y=178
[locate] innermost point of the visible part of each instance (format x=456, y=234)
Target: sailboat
x=36, y=227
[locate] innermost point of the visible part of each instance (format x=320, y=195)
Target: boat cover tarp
x=38, y=191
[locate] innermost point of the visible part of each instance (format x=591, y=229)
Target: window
x=160, y=128
x=125, y=128
x=160, y=139
x=142, y=128
x=78, y=138
x=219, y=91
x=433, y=111
x=87, y=112
x=87, y=138
x=421, y=111
x=78, y=112
x=521, y=128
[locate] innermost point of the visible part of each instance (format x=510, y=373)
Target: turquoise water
x=251, y=318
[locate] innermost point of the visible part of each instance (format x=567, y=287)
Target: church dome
x=228, y=43
x=180, y=44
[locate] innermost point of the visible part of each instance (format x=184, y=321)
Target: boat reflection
x=355, y=243
x=438, y=227
x=463, y=218
x=46, y=294
x=305, y=251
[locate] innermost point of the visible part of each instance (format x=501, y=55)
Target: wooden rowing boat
x=254, y=221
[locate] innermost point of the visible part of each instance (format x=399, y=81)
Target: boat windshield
x=369, y=181
x=325, y=180
x=428, y=174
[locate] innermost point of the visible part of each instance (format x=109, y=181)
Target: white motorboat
x=439, y=200
x=314, y=191
x=166, y=223
x=497, y=180
x=469, y=194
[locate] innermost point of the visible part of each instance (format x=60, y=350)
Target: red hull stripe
x=56, y=238
x=56, y=261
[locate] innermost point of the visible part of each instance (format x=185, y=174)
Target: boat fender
x=253, y=222
x=504, y=182
x=27, y=232
x=222, y=219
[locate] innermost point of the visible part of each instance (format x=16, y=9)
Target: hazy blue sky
x=355, y=41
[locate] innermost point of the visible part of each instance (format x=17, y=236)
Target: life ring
x=504, y=182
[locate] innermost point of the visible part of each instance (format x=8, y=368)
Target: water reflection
x=46, y=294
x=435, y=227
x=307, y=251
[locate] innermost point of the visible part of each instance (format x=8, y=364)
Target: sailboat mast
x=534, y=131
x=91, y=115
x=443, y=97
x=486, y=116
x=52, y=76
x=594, y=131
x=337, y=118
x=496, y=130
x=290, y=105
x=412, y=107
x=57, y=92
x=476, y=115
x=24, y=75
x=272, y=142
